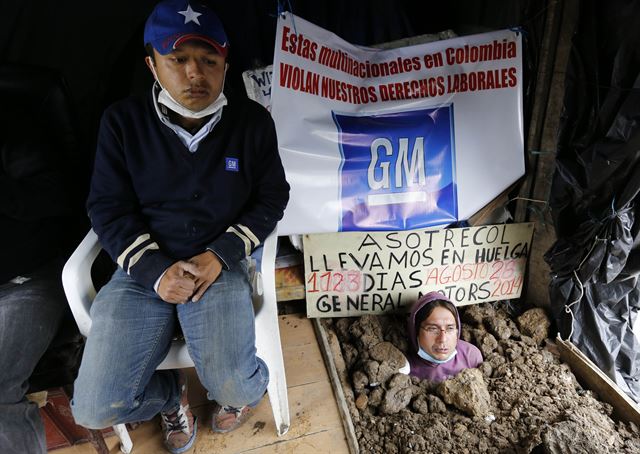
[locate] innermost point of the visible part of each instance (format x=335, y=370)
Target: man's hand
x=177, y=284
x=206, y=269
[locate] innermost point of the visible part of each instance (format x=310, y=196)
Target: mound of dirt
x=522, y=399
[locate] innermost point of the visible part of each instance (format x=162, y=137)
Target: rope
x=281, y=12
x=567, y=308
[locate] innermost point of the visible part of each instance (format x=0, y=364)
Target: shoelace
x=230, y=409
x=176, y=421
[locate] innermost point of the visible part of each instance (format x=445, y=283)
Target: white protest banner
x=394, y=139
x=357, y=273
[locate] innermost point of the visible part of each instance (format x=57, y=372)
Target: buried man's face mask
x=424, y=355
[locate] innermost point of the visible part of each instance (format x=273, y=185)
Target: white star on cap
x=190, y=15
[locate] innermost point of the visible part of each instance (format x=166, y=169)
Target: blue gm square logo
x=231, y=164
x=398, y=169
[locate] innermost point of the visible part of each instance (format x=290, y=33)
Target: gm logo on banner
x=398, y=169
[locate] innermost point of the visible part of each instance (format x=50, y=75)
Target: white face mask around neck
x=424, y=355
x=165, y=98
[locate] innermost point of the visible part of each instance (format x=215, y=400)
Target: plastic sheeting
x=595, y=263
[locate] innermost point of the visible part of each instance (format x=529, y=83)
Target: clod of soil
x=522, y=399
x=535, y=324
x=467, y=392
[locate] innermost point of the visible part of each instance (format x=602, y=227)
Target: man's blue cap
x=172, y=22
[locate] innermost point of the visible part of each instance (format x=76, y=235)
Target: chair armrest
x=263, y=261
x=77, y=282
x=267, y=264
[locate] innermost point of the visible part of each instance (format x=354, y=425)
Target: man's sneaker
x=179, y=427
x=227, y=418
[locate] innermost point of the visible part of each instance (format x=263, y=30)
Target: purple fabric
x=468, y=355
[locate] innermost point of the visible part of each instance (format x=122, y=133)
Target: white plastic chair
x=80, y=291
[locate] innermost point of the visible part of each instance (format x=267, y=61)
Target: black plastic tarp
x=595, y=263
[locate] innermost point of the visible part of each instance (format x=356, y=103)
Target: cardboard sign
x=257, y=83
x=357, y=273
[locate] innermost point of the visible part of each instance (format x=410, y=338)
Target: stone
x=360, y=380
x=366, y=332
x=399, y=381
x=342, y=327
x=350, y=354
x=387, y=362
x=488, y=344
x=435, y=404
x=395, y=399
x=420, y=404
x=361, y=401
x=375, y=397
x=475, y=314
x=467, y=392
x=486, y=369
x=535, y=324
x=388, y=356
x=498, y=327
x=371, y=369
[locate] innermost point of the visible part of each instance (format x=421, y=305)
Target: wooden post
x=541, y=144
x=331, y=350
x=590, y=375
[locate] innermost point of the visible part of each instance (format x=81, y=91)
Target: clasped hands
x=188, y=279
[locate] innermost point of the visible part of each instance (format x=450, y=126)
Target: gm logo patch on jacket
x=398, y=169
x=231, y=164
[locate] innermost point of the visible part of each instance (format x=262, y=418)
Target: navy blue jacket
x=152, y=202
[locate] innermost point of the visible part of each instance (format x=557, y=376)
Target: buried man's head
x=437, y=330
x=437, y=351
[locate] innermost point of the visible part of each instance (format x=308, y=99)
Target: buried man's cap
x=173, y=22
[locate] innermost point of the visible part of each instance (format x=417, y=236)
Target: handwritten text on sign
x=355, y=273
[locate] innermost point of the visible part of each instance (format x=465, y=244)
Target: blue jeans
x=30, y=314
x=131, y=334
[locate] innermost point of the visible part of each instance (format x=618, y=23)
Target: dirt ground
x=521, y=400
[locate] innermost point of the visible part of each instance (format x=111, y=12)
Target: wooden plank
x=589, y=374
x=291, y=293
x=296, y=329
x=540, y=102
x=340, y=386
x=327, y=442
x=542, y=138
x=313, y=410
x=290, y=283
x=303, y=365
x=538, y=281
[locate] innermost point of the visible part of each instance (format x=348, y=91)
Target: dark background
x=97, y=46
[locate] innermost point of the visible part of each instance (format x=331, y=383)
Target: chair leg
x=278, y=398
x=126, y=445
x=268, y=335
x=97, y=440
x=270, y=350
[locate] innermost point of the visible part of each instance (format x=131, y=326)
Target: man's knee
x=94, y=414
x=239, y=387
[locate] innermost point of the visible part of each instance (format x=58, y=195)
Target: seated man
x=33, y=204
x=186, y=184
x=437, y=352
